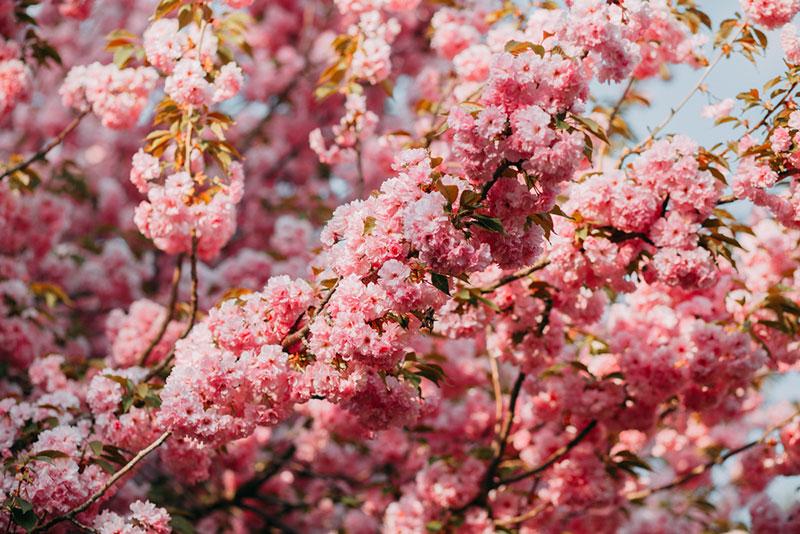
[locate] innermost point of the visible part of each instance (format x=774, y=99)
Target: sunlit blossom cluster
x=393, y=266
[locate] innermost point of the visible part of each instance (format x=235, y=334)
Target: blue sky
x=729, y=77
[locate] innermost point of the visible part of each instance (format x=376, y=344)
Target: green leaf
x=594, y=128
x=580, y=366
x=328, y=283
x=97, y=447
x=22, y=504
x=469, y=199
x=488, y=303
x=441, y=282
x=431, y=371
x=702, y=504
x=493, y=224
x=181, y=525
x=108, y=467
x=369, y=225
x=25, y=519
x=218, y=130
x=627, y=458
x=185, y=16
x=616, y=374
x=48, y=456
x=434, y=526
x=122, y=381
x=482, y=453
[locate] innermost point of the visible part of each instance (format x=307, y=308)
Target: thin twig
x=766, y=116
x=192, y=312
x=530, y=514
x=42, y=152
x=498, y=392
x=522, y=273
x=280, y=98
x=193, y=274
x=187, y=156
x=702, y=468
x=499, y=445
x=83, y=527
x=293, y=338
x=173, y=298
x=271, y=521
x=502, y=439
x=674, y=111
x=618, y=106
x=69, y=516
x=727, y=199
x=280, y=164
x=249, y=489
x=553, y=458
x=362, y=182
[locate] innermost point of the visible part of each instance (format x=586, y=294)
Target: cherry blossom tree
x=394, y=266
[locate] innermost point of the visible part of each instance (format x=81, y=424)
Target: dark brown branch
x=498, y=173
x=83, y=527
x=362, y=181
x=192, y=313
x=173, y=298
x=279, y=99
x=501, y=442
x=553, y=458
x=499, y=445
x=618, y=106
x=250, y=489
x=42, y=152
x=70, y=516
x=530, y=514
x=296, y=336
x=193, y=274
x=522, y=273
x=272, y=522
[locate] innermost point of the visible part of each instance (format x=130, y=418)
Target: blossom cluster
x=393, y=266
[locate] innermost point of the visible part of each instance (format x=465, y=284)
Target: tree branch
x=530, y=514
x=522, y=273
x=766, y=116
x=498, y=392
x=674, y=111
x=702, y=468
x=296, y=336
x=618, y=106
x=141, y=455
x=554, y=458
x=173, y=298
x=42, y=152
x=249, y=489
x=192, y=313
x=499, y=445
x=83, y=527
